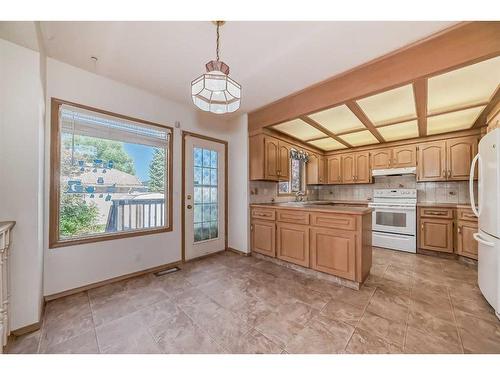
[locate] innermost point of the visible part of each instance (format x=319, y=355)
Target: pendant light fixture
x=214, y=91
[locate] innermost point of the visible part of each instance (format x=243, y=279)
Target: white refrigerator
x=488, y=213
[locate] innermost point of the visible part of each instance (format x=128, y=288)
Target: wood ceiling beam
x=358, y=112
x=455, y=47
x=481, y=120
x=321, y=128
x=420, y=95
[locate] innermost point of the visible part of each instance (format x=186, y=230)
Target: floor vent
x=166, y=272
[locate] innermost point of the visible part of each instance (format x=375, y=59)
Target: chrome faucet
x=299, y=196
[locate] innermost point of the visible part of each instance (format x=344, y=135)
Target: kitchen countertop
x=317, y=206
x=443, y=205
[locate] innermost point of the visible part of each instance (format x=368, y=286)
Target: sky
x=142, y=156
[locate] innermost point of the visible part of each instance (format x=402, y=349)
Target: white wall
x=21, y=175
x=74, y=266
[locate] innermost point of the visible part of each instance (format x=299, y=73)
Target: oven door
x=394, y=219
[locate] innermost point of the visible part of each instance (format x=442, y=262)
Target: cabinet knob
x=459, y=229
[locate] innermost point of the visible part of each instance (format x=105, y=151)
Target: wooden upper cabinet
x=404, y=156
x=460, y=152
x=362, y=162
x=315, y=170
x=284, y=161
x=271, y=158
x=334, y=172
x=381, y=159
x=348, y=168
x=432, y=161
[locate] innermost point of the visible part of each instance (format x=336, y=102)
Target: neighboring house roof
x=111, y=177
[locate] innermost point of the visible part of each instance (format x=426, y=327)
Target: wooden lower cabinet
x=263, y=237
x=293, y=243
x=333, y=251
x=436, y=235
x=466, y=244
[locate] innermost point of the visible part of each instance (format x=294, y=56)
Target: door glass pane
x=393, y=219
x=206, y=189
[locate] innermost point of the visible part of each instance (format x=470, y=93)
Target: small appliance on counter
x=394, y=219
x=488, y=213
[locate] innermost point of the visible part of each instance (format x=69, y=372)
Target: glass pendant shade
x=214, y=91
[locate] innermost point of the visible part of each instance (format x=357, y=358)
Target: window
x=111, y=176
x=296, y=182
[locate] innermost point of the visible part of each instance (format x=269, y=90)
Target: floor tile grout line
x=455, y=320
x=93, y=323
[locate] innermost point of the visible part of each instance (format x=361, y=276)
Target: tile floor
x=233, y=304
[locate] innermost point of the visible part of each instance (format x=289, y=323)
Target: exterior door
x=204, y=197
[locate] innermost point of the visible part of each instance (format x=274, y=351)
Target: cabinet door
x=334, y=172
x=432, y=161
x=271, y=159
x=263, y=237
x=284, y=161
x=460, y=152
x=312, y=170
x=381, y=159
x=404, y=156
x=436, y=234
x=466, y=244
x=293, y=243
x=363, y=175
x=348, y=168
x=333, y=251
x=322, y=170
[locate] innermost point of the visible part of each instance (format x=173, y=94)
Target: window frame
x=303, y=181
x=55, y=165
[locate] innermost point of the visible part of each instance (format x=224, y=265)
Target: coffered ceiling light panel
x=404, y=130
x=453, y=121
x=338, y=119
x=327, y=144
x=389, y=106
x=470, y=85
x=299, y=129
x=360, y=138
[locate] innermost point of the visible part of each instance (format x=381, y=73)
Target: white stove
x=394, y=219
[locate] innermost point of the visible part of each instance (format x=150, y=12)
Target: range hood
x=394, y=171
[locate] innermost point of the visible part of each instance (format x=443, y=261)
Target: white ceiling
x=269, y=59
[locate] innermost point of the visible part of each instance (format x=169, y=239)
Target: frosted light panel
x=299, y=129
x=361, y=138
x=338, y=119
x=327, y=144
x=453, y=121
x=462, y=87
x=404, y=130
x=388, y=106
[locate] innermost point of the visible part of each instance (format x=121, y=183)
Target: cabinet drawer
x=466, y=214
x=336, y=221
x=263, y=213
x=294, y=217
x=437, y=212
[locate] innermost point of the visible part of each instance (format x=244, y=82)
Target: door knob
x=189, y=196
x=189, y=206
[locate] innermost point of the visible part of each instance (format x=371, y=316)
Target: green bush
x=78, y=217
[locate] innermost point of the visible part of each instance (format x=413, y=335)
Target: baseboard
x=27, y=329
x=239, y=252
x=109, y=281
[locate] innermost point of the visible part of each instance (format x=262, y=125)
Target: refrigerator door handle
x=477, y=159
x=478, y=238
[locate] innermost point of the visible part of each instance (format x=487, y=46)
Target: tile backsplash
x=442, y=192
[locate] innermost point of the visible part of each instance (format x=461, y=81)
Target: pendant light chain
x=217, y=50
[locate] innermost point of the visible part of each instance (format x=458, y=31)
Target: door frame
x=183, y=198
